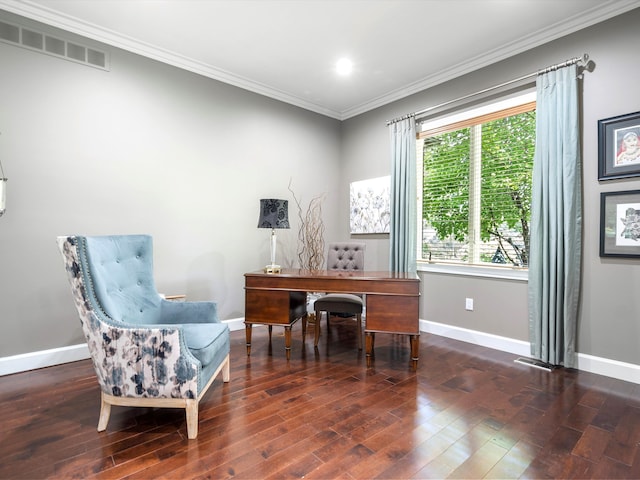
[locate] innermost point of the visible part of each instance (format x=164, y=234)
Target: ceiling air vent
x=54, y=46
x=76, y=52
x=9, y=33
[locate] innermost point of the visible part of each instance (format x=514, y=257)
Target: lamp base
x=272, y=269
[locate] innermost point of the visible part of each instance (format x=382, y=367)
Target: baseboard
x=628, y=372
x=56, y=356
x=504, y=344
x=43, y=358
x=235, y=324
x=602, y=366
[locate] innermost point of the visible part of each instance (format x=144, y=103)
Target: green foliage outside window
x=507, y=147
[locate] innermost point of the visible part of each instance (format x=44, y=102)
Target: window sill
x=475, y=271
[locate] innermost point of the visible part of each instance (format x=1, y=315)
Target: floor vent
x=50, y=45
x=531, y=362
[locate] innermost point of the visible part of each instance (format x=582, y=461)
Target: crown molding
x=586, y=19
x=109, y=37
x=37, y=12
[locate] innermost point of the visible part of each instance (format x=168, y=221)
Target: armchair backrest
x=120, y=269
x=346, y=256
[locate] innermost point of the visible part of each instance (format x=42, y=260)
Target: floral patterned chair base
x=146, y=351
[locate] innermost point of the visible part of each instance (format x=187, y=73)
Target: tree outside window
x=476, y=197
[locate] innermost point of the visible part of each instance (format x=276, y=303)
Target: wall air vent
x=50, y=45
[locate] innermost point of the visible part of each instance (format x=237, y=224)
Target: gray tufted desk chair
x=349, y=257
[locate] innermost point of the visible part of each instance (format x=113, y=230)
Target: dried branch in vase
x=310, y=233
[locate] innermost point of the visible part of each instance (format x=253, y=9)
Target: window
x=476, y=186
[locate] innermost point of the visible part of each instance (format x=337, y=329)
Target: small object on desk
x=274, y=213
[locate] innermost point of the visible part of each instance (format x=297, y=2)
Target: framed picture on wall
x=619, y=147
x=620, y=224
x=370, y=205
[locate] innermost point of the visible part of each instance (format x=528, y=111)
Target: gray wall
x=610, y=306
x=149, y=148
x=144, y=148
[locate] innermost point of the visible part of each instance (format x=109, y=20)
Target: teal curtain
x=556, y=220
x=403, y=226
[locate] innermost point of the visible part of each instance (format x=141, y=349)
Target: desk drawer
x=392, y=314
x=274, y=307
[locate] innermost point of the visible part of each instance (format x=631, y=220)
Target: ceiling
x=287, y=49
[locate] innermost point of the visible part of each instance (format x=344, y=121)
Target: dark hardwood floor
x=467, y=412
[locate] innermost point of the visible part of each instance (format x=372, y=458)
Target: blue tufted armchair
x=146, y=351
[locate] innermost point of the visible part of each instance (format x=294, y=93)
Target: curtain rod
x=584, y=59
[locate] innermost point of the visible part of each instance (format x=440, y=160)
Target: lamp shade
x=274, y=213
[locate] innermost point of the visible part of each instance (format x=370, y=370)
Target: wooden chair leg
x=316, y=326
x=305, y=317
x=105, y=413
x=192, y=418
x=359, y=332
x=226, y=376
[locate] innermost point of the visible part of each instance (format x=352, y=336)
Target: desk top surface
x=336, y=274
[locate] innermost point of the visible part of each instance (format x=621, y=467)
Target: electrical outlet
x=468, y=304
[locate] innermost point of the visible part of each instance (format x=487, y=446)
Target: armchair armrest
x=175, y=313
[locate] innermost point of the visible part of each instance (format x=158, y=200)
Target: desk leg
x=247, y=332
x=415, y=345
x=370, y=338
x=287, y=341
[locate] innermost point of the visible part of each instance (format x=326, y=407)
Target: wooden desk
x=391, y=299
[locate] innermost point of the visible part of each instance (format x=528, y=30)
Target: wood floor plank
x=626, y=437
x=514, y=462
x=300, y=468
x=481, y=462
x=592, y=444
x=465, y=412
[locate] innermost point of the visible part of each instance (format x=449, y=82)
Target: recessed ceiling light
x=344, y=66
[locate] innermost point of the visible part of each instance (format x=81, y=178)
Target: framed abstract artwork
x=620, y=224
x=370, y=205
x=619, y=147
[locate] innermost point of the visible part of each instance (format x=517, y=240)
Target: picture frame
x=619, y=147
x=370, y=206
x=620, y=224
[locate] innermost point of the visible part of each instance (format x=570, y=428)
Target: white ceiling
x=287, y=49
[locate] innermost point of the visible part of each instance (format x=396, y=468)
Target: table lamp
x=274, y=214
